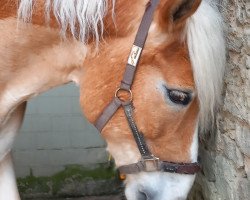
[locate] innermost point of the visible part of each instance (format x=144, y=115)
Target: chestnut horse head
x=176, y=87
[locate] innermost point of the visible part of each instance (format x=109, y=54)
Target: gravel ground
x=113, y=197
x=97, y=198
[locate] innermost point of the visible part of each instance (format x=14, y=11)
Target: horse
x=175, y=93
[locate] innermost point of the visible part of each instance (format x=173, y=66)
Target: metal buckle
x=130, y=95
x=151, y=164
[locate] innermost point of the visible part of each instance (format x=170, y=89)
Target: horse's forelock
x=206, y=44
x=83, y=18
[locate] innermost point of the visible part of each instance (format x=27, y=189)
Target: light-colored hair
x=87, y=14
x=206, y=43
x=205, y=40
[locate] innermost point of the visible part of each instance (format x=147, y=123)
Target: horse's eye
x=179, y=97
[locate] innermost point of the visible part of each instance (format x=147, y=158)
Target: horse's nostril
x=145, y=195
x=142, y=196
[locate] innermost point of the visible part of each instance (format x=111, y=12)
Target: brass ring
x=128, y=91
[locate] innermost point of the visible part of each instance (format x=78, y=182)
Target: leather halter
x=148, y=162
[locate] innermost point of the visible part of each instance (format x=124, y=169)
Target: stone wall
x=226, y=153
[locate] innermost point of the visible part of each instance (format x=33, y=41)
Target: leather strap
x=138, y=45
x=139, y=139
x=133, y=59
x=149, y=162
x=108, y=112
x=163, y=166
x=180, y=168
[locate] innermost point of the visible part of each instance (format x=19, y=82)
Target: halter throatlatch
x=148, y=162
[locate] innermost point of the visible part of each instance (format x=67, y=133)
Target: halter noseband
x=148, y=162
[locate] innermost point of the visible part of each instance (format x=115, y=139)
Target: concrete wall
x=55, y=134
x=226, y=152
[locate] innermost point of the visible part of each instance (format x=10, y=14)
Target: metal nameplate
x=134, y=55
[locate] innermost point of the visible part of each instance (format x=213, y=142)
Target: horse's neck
x=121, y=18
x=37, y=59
x=124, y=18
x=8, y=8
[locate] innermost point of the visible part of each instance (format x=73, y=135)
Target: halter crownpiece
x=148, y=162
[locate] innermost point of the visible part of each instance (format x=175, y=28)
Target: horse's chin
x=158, y=186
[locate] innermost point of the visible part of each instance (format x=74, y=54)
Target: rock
x=244, y=189
x=247, y=166
x=232, y=152
x=243, y=139
x=248, y=62
x=226, y=163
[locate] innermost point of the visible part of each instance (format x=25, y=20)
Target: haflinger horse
x=151, y=127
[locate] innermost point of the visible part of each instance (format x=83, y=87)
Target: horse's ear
x=175, y=12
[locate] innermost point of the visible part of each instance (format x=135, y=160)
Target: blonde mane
x=205, y=40
x=205, y=37
x=87, y=14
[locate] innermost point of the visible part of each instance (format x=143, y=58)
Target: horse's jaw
x=158, y=186
x=162, y=185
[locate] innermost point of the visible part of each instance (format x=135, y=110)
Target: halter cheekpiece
x=148, y=162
